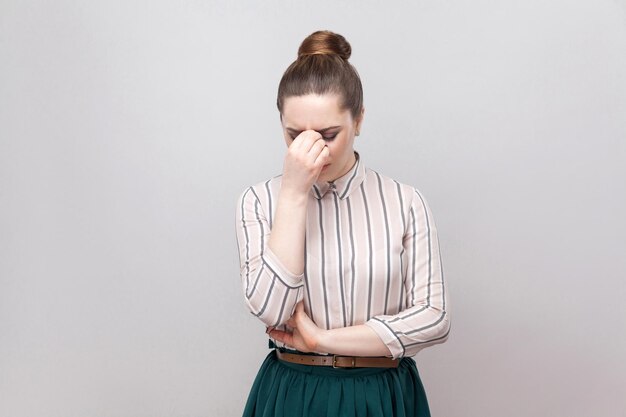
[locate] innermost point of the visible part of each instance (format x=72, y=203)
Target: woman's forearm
x=305, y=158
x=287, y=237
x=360, y=340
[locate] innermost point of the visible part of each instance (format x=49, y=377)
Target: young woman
x=341, y=263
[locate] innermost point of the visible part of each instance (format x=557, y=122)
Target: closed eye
x=328, y=138
x=323, y=131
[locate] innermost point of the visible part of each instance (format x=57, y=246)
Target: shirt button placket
x=346, y=302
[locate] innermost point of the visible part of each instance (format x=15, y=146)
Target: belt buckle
x=335, y=361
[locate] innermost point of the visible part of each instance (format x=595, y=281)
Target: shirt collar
x=344, y=184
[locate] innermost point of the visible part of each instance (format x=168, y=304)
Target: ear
x=359, y=120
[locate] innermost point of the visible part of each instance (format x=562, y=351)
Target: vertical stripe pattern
x=372, y=257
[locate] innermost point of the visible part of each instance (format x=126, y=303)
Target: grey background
x=128, y=128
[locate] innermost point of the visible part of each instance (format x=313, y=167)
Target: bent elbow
x=439, y=333
x=262, y=312
x=443, y=330
x=434, y=335
x=275, y=306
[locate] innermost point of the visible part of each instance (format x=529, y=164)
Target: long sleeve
x=270, y=290
x=424, y=321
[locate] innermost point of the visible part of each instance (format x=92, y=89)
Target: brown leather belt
x=339, y=361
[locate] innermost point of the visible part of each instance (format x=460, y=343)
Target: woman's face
x=323, y=114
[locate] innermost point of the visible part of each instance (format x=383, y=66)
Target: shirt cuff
x=387, y=336
x=289, y=279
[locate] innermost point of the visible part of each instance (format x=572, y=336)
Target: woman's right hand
x=306, y=156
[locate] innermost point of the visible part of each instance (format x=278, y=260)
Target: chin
x=325, y=176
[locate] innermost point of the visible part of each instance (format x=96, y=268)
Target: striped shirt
x=371, y=257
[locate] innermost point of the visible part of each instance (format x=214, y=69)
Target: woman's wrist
x=324, y=341
x=293, y=196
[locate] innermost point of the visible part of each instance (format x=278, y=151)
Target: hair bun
x=325, y=42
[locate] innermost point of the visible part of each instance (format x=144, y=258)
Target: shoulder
x=408, y=196
x=384, y=183
x=264, y=191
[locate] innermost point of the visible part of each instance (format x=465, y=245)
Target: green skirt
x=285, y=389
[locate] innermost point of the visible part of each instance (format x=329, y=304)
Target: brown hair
x=322, y=67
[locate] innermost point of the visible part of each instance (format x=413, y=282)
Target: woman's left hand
x=305, y=335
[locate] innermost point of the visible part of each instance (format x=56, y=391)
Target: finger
x=309, y=138
x=322, y=157
x=284, y=337
x=315, y=150
x=302, y=144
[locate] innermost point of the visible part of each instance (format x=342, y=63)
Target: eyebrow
x=291, y=130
